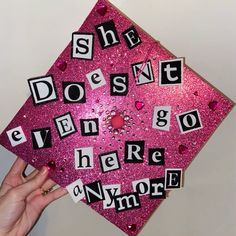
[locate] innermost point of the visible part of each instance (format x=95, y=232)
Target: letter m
x=127, y=202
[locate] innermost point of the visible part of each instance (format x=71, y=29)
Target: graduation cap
x=118, y=119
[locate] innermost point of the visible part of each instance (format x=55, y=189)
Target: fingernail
x=44, y=170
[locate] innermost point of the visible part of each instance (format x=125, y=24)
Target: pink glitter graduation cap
x=117, y=118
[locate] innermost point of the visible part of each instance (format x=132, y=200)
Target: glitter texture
x=194, y=93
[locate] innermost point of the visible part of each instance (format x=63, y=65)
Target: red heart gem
x=139, y=105
x=213, y=105
x=132, y=227
x=102, y=10
x=182, y=149
x=61, y=65
x=52, y=165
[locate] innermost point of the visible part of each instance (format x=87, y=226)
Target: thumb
x=25, y=189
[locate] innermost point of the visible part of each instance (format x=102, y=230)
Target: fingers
x=54, y=195
x=48, y=185
x=18, y=167
x=33, y=184
x=31, y=175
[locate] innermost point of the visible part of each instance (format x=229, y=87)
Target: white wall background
x=33, y=33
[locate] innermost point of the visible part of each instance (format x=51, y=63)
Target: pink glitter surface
x=137, y=106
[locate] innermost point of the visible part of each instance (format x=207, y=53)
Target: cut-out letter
x=173, y=178
x=131, y=37
x=76, y=190
x=43, y=89
x=143, y=73
x=110, y=191
x=96, y=79
x=94, y=192
x=109, y=161
x=142, y=186
x=157, y=188
x=16, y=136
x=127, y=202
x=156, y=156
x=65, y=125
x=84, y=158
x=171, y=72
x=134, y=151
x=41, y=138
x=74, y=92
x=189, y=121
x=161, y=118
x=89, y=127
x=82, y=46
x=119, y=84
x=107, y=34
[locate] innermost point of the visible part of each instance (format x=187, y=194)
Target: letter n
x=143, y=72
x=94, y=192
x=89, y=127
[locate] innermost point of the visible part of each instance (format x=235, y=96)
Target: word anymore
x=111, y=194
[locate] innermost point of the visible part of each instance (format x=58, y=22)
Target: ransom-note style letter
x=127, y=202
x=94, y=192
x=161, y=118
x=82, y=46
x=110, y=191
x=65, y=125
x=134, y=151
x=84, y=158
x=43, y=89
x=107, y=34
x=171, y=72
x=16, y=136
x=76, y=190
